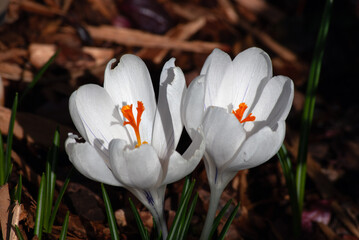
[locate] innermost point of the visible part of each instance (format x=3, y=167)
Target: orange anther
x=240, y=111
x=128, y=114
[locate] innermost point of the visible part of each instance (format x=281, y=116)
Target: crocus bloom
x=242, y=109
x=129, y=140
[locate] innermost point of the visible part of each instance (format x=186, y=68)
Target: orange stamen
x=240, y=111
x=127, y=113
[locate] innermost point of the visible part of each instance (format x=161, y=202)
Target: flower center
x=240, y=111
x=127, y=113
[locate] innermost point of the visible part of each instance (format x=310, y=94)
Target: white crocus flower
x=135, y=151
x=242, y=109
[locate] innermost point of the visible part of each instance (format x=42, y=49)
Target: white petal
x=193, y=105
x=258, y=148
x=89, y=162
x=76, y=118
x=214, y=69
x=274, y=103
x=180, y=166
x=244, y=79
x=137, y=168
x=223, y=135
x=168, y=124
x=128, y=83
x=93, y=112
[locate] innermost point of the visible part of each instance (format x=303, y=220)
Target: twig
x=130, y=37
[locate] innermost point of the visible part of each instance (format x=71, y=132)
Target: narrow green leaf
x=159, y=236
x=63, y=233
x=41, y=200
x=18, y=190
x=110, y=216
x=141, y=228
x=51, y=164
x=177, y=223
x=58, y=200
x=292, y=188
x=8, y=164
x=309, y=104
x=18, y=233
x=217, y=220
x=228, y=223
x=39, y=75
x=2, y=162
x=187, y=220
x=185, y=188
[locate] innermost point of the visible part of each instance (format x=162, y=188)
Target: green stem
x=216, y=192
x=158, y=215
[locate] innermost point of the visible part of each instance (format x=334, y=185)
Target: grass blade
x=310, y=102
x=143, y=231
x=290, y=182
x=39, y=75
x=64, y=227
x=41, y=200
x=7, y=160
x=18, y=233
x=218, y=218
x=187, y=220
x=51, y=163
x=110, y=216
x=186, y=185
x=228, y=223
x=18, y=190
x=58, y=200
x=177, y=224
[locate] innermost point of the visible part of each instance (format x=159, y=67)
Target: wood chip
x=66, y=6
x=51, y=3
x=8, y=213
x=229, y=11
x=101, y=55
x=33, y=128
x=120, y=218
x=137, y=38
x=326, y=188
x=37, y=8
x=105, y=7
x=189, y=11
x=4, y=209
x=262, y=8
x=268, y=41
x=13, y=71
x=328, y=232
x=13, y=54
x=180, y=32
x=344, y=218
x=25, y=170
x=41, y=53
x=15, y=219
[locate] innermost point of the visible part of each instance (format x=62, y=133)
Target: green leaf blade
x=41, y=200
x=7, y=161
x=217, y=220
x=309, y=103
x=142, y=230
x=63, y=233
x=110, y=215
x=177, y=224
x=228, y=223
